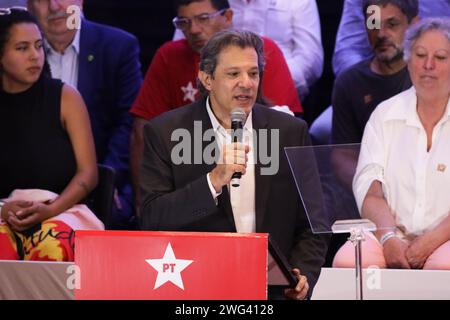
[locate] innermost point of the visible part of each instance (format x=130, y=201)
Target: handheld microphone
x=238, y=118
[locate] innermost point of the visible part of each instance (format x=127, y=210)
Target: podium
x=142, y=265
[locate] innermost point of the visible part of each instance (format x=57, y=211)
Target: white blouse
x=416, y=183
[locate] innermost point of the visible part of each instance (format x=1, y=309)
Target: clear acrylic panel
x=324, y=176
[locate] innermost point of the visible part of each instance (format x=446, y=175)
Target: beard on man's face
x=387, y=51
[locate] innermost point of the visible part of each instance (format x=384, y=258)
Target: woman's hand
x=419, y=250
x=394, y=251
x=25, y=218
x=13, y=207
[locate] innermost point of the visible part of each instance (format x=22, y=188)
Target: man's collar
x=75, y=43
x=248, y=126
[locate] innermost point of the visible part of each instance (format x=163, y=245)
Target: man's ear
x=205, y=79
x=415, y=20
x=229, y=16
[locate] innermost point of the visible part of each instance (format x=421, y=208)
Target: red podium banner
x=171, y=265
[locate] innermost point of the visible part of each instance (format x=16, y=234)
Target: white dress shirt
x=415, y=182
x=65, y=66
x=242, y=198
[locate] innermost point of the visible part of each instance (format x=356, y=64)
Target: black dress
x=35, y=150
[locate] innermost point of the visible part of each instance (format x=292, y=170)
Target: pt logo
x=169, y=268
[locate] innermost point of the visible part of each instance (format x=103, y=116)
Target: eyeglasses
x=201, y=20
x=7, y=11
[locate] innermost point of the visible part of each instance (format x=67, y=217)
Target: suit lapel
x=86, y=76
x=262, y=182
x=200, y=117
x=225, y=205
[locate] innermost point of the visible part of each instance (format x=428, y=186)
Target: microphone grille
x=238, y=114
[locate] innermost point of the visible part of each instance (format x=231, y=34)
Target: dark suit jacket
x=109, y=79
x=178, y=198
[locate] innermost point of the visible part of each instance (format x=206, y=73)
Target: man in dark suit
x=103, y=64
x=185, y=186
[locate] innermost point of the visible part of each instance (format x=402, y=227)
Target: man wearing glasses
x=171, y=80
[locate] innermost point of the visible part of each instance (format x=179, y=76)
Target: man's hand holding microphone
x=233, y=158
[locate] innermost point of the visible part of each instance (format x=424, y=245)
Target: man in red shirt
x=171, y=80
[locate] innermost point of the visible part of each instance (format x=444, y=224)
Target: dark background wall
x=151, y=22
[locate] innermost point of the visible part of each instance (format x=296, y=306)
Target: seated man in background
x=359, y=89
x=351, y=40
x=170, y=81
x=103, y=64
x=380, y=76
x=190, y=194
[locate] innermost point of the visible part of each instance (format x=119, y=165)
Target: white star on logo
x=189, y=92
x=169, y=268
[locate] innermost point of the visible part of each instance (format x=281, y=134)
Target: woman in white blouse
x=402, y=181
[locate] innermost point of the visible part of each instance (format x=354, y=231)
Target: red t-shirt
x=170, y=81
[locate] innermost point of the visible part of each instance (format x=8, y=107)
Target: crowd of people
x=72, y=97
